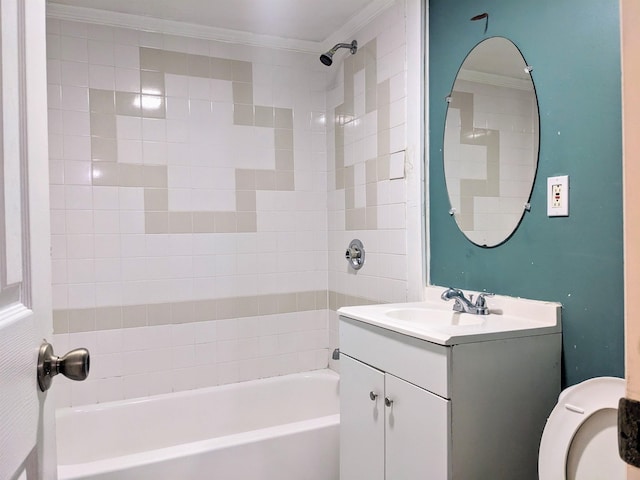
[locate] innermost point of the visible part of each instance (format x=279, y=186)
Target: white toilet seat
x=575, y=406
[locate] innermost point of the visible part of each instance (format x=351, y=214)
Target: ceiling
x=312, y=21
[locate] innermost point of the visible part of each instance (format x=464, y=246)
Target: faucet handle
x=480, y=301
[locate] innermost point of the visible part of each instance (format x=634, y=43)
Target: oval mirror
x=491, y=140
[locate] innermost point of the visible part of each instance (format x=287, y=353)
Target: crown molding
x=171, y=27
x=356, y=23
x=192, y=30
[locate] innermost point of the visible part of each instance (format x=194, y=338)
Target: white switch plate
x=396, y=165
x=558, y=196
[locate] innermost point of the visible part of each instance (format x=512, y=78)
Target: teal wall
x=573, y=46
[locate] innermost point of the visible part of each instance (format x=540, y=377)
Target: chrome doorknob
x=74, y=365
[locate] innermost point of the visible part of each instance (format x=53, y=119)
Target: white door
x=26, y=415
x=361, y=421
x=417, y=432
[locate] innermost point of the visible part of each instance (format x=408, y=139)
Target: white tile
x=129, y=128
x=105, y=198
x=73, y=49
x=73, y=73
x=108, y=270
x=135, y=386
x=59, y=272
x=56, y=172
x=132, y=222
x=177, y=107
x=199, y=88
x=56, y=146
x=80, y=246
x=176, y=130
x=184, y=379
x=153, y=129
x=75, y=147
x=130, y=151
x=183, y=356
x=106, y=365
x=126, y=56
x=80, y=296
x=127, y=80
x=134, y=269
x=183, y=334
x=79, y=221
x=110, y=390
x=54, y=74
x=159, y=383
x=101, y=53
x=72, y=98
x=75, y=123
x=154, y=153
x=77, y=172
x=131, y=198
x=176, y=86
x=78, y=197
x=84, y=393
x=102, y=77
x=80, y=271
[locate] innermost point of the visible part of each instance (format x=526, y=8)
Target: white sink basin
x=436, y=318
x=435, y=321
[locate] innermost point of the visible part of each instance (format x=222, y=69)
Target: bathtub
x=283, y=428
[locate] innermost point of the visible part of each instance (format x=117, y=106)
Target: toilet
x=580, y=439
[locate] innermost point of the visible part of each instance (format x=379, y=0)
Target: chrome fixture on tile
x=355, y=254
x=74, y=365
x=327, y=57
x=336, y=354
x=464, y=305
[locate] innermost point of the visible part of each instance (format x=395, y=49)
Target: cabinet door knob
x=388, y=401
x=373, y=396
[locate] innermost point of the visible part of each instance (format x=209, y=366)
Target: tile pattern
x=366, y=103
x=109, y=170
x=180, y=210
x=174, y=313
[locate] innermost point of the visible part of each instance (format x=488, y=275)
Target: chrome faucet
x=464, y=305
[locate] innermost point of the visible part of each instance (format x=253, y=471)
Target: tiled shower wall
x=188, y=197
x=368, y=175
x=203, y=195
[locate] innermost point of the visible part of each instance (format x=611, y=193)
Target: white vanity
x=428, y=393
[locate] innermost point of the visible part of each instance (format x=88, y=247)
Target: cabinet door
x=361, y=421
x=417, y=432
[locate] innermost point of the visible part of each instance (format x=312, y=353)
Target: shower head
x=327, y=57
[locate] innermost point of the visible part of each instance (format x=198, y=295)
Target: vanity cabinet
x=390, y=428
x=412, y=409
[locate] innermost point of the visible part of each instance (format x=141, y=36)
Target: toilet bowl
x=580, y=439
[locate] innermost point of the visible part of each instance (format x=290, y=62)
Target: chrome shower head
x=327, y=57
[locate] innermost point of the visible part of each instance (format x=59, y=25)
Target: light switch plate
x=558, y=196
x=396, y=165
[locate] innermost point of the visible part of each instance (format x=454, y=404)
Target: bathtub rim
x=112, y=465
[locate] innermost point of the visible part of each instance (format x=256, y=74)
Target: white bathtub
x=283, y=428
